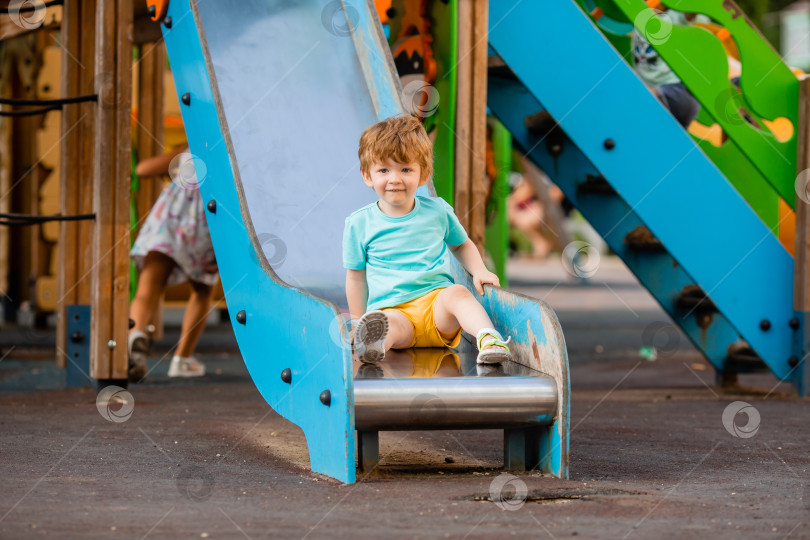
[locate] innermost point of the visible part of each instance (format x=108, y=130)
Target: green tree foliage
x=755, y=9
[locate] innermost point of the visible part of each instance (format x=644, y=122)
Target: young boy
x=397, y=257
x=658, y=76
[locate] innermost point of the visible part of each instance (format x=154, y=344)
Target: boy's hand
x=485, y=277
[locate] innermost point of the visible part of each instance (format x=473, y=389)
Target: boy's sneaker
x=138, y=348
x=369, y=337
x=186, y=367
x=498, y=351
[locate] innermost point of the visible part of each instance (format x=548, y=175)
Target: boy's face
x=395, y=184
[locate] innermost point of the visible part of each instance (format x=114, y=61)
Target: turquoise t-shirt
x=405, y=257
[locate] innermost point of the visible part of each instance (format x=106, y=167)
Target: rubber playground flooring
x=651, y=456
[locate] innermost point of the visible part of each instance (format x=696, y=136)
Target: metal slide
x=617, y=133
x=274, y=98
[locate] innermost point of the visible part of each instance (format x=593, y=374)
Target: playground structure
x=719, y=271
x=255, y=215
x=277, y=133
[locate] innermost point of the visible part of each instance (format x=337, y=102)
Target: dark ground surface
x=207, y=458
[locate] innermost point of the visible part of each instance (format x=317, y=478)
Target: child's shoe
x=186, y=367
x=138, y=349
x=498, y=352
x=369, y=337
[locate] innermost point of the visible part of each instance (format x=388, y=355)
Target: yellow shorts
x=420, y=312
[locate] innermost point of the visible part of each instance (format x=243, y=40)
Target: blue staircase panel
x=661, y=174
x=658, y=272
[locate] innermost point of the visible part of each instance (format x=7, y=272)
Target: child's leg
x=152, y=280
x=378, y=331
x=197, y=310
x=456, y=306
x=400, y=330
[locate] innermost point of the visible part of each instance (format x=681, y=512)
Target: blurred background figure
x=173, y=246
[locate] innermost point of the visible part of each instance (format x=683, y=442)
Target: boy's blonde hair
x=402, y=138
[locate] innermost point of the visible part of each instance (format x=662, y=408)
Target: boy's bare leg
x=457, y=307
x=400, y=330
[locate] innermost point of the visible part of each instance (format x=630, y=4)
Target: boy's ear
x=424, y=180
x=367, y=179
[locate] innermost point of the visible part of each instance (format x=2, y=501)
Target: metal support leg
x=535, y=447
x=514, y=449
x=522, y=448
x=368, y=449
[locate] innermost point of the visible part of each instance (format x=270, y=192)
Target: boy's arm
x=469, y=257
x=356, y=292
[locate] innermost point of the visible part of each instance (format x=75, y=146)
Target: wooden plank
x=145, y=30
x=111, y=179
x=87, y=132
x=472, y=186
x=76, y=70
x=150, y=137
x=101, y=357
x=123, y=179
x=462, y=187
x=479, y=183
x=150, y=120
